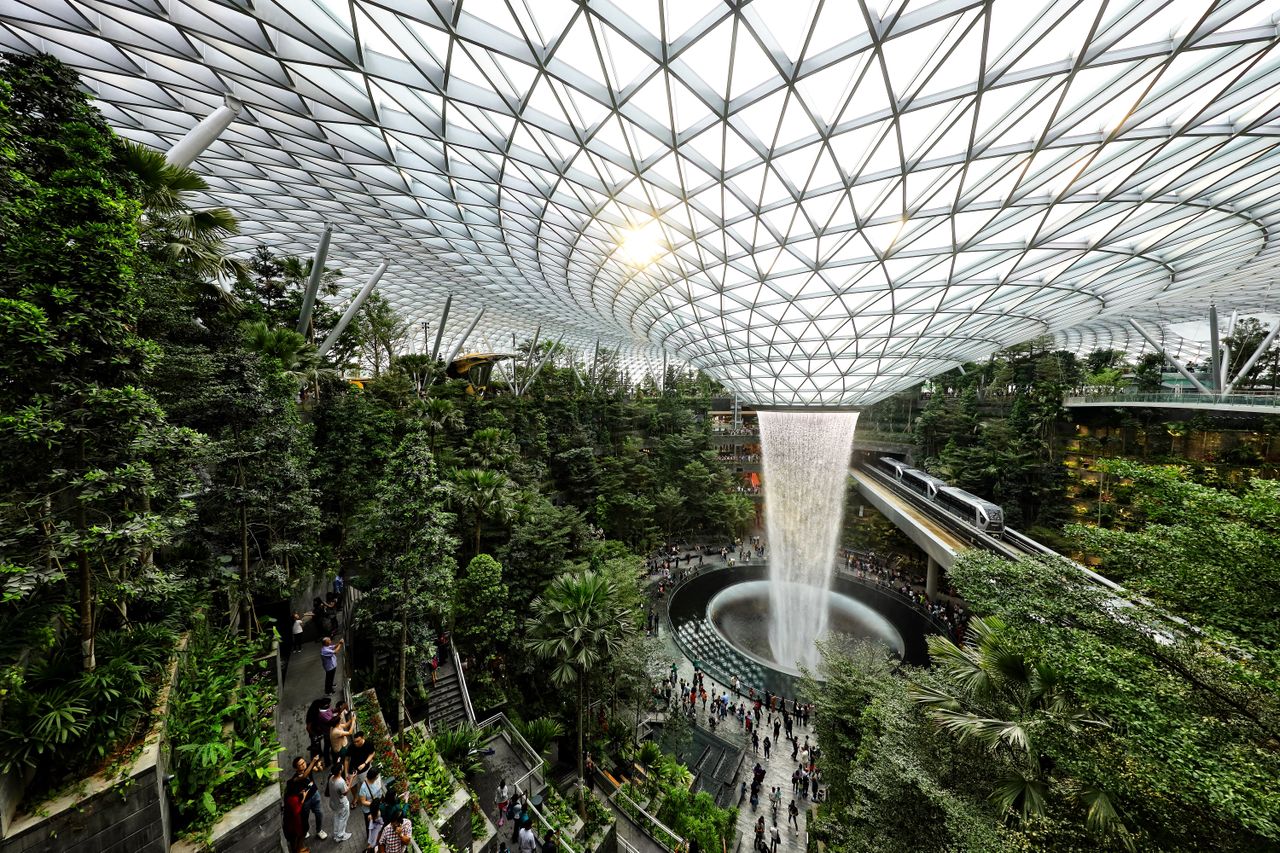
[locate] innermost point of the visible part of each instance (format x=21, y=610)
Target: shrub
x=221, y=728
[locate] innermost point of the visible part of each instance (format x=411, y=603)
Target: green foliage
x=1208, y=554
x=91, y=471
x=696, y=816
x=893, y=783
x=1187, y=759
x=220, y=728
x=540, y=732
x=460, y=747
x=410, y=567
x=483, y=620
x=64, y=723
x=429, y=780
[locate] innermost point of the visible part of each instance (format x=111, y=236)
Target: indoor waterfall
x=806, y=468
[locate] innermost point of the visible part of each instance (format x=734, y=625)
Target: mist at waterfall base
x=806, y=468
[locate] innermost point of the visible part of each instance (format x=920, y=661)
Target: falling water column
x=806, y=469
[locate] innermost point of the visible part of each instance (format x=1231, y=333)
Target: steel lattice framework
x=818, y=202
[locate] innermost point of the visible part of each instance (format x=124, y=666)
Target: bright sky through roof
x=816, y=201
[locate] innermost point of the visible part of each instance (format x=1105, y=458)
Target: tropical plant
x=181, y=234
x=540, y=733
x=405, y=535
x=223, y=682
x=994, y=695
x=578, y=622
x=483, y=496
x=460, y=747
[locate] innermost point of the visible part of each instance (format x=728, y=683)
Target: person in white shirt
x=502, y=798
x=527, y=842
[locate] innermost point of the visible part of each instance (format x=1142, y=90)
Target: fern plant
x=220, y=729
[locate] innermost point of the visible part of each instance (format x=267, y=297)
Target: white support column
x=200, y=137
x=313, y=283
x=931, y=580
x=353, y=308
x=1186, y=374
x=541, y=364
x=444, y=318
x=462, y=341
x=1215, y=349
x=1253, y=359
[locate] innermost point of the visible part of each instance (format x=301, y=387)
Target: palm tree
x=579, y=621
x=290, y=351
x=440, y=416
x=185, y=235
x=483, y=495
x=993, y=695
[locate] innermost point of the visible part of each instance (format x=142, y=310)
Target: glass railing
x=1270, y=400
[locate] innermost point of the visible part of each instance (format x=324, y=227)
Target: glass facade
x=817, y=202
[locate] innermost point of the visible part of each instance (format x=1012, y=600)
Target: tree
x=440, y=417
x=181, y=234
x=1244, y=340
x=483, y=620
x=1014, y=706
x=1186, y=757
x=382, y=330
x=409, y=551
x=894, y=783
x=1209, y=554
x=79, y=435
x=579, y=621
x=483, y=496
x=270, y=290
x=542, y=537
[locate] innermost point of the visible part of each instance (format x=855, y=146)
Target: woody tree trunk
x=402, y=714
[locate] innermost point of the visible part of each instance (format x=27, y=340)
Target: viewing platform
x=1264, y=404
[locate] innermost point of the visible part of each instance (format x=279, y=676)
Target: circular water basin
x=740, y=615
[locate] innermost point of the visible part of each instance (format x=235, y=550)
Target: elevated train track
x=1009, y=544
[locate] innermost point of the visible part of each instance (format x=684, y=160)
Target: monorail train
x=973, y=510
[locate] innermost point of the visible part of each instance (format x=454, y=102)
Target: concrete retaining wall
x=117, y=813
x=252, y=827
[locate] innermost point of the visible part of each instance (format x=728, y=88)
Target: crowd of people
x=512, y=804
x=766, y=721
x=945, y=611
x=346, y=760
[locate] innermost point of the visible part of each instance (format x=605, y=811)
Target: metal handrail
x=462, y=682
x=564, y=843
x=653, y=821
x=1193, y=398
x=513, y=737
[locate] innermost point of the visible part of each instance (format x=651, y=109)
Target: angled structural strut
x=200, y=137
x=353, y=308
x=313, y=283
x=1253, y=359
x=462, y=341
x=541, y=364
x=444, y=318
x=1215, y=349
x=1186, y=374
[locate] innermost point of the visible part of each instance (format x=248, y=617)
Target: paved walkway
x=304, y=683
x=778, y=767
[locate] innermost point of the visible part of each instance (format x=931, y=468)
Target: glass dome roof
x=819, y=202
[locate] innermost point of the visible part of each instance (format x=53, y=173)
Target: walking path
x=778, y=767
x=304, y=683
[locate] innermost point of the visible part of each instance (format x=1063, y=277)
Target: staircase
x=445, y=706
x=717, y=767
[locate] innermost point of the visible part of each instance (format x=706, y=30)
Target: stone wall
x=252, y=827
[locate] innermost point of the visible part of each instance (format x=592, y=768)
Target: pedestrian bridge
x=1264, y=404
